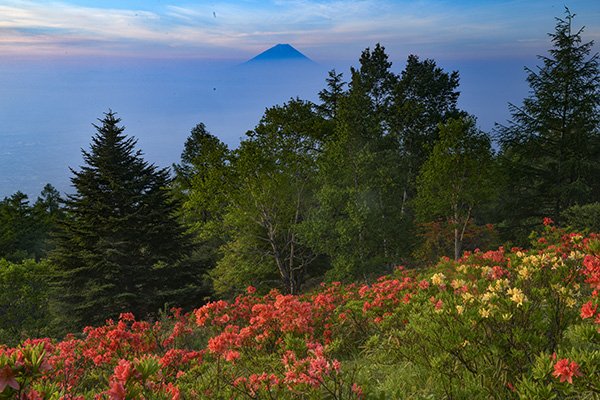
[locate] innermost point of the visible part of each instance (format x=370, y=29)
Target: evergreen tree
x=332, y=95
x=25, y=230
x=47, y=212
x=17, y=228
x=118, y=249
x=551, y=145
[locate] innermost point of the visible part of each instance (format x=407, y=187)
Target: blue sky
x=324, y=30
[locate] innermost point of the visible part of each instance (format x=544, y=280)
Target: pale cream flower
x=467, y=297
x=487, y=296
x=525, y=273
x=517, y=296
x=438, y=279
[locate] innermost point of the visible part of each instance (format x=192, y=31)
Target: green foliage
x=457, y=177
x=274, y=173
x=424, y=98
x=119, y=249
x=24, y=298
x=25, y=229
x=583, y=217
x=356, y=223
x=384, y=124
x=204, y=182
x=551, y=146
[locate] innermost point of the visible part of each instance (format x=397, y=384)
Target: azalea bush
x=508, y=323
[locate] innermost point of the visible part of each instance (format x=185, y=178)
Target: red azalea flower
x=7, y=378
x=566, y=370
x=117, y=391
x=588, y=310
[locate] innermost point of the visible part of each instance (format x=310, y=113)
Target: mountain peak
x=280, y=52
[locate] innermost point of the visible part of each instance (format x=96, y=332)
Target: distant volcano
x=280, y=52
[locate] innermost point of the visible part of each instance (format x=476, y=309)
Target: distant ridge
x=280, y=52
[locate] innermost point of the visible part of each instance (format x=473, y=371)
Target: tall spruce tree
x=551, y=145
x=118, y=249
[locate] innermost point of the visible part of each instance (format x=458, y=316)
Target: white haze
x=46, y=109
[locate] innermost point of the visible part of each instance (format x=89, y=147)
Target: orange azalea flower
x=588, y=310
x=566, y=370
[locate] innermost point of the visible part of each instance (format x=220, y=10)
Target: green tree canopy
x=274, y=174
x=456, y=178
x=119, y=247
x=551, y=145
x=25, y=229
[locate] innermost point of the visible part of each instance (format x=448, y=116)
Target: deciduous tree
x=456, y=178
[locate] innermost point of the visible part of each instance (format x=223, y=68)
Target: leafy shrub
x=24, y=307
x=583, y=217
x=498, y=324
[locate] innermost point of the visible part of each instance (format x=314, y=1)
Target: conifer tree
x=118, y=249
x=551, y=145
x=332, y=95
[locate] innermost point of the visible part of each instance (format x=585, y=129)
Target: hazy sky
x=324, y=30
x=165, y=66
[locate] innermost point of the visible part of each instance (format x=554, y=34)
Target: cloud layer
x=236, y=29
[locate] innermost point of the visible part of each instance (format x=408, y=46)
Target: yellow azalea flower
x=459, y=310
x=525, y=273
x=456, y=283
x=462, y=269
x=570, y=302
x=467, y=297
x=487, y=296
x=502, y=283
x=517, y=296
x=485, y=271
x=484, y=312
x=438, y=279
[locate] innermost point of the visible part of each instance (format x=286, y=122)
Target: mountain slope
x=280, y=52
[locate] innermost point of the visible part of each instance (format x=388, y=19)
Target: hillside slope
x=496, y=324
